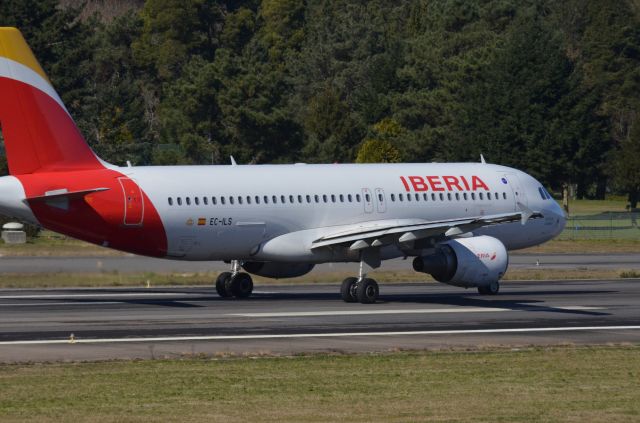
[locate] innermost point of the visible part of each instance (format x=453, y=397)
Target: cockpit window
x=544, y=193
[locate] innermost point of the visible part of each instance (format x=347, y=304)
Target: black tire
x=491, y=289
x=240, y=285
x=221, y=283
x=347, y=290
x=367, y=291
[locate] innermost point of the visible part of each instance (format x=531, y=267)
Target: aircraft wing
x=387, y=232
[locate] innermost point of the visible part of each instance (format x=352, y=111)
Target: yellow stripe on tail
x=14, y=47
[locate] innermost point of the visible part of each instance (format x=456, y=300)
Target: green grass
x=593, y=384
x=581, y=207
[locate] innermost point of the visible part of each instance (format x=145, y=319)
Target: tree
x=626, y=166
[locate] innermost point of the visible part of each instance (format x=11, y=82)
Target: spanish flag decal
x=202, y=221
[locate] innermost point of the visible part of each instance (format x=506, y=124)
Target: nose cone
x=558, y=216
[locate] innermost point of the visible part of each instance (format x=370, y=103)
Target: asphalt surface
x=132, y=263
x=94, y=324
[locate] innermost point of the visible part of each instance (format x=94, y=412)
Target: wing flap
x=403, y=231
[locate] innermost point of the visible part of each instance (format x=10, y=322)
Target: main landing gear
x=235, y=283
x=361, y=289
x=492, y=289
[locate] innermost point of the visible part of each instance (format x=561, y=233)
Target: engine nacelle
x=466, y=262
x=277, y=270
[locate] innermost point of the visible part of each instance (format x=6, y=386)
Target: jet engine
x=277, y=270
x=467, y=262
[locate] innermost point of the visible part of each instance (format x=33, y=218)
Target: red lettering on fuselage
x=451, y=182
x=404, y=182
x=435, y=183
x=442, y=183
x=477, y=183
x=418, y=184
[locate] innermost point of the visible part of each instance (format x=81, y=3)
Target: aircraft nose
x=558, y=215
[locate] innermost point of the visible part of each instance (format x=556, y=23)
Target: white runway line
x=318, y=335
x=61, y=304
x=401, y=311
x=371, y=312
x=92, y=295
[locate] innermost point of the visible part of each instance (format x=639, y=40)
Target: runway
x=131, y=263
x=93, y=324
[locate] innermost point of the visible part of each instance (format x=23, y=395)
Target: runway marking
x=61, y=304
x=400, y=311
x=370, y=312
x=125, y=294
x=315, y=335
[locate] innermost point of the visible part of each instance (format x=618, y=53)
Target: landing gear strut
x=235, y=283
x=361, y=289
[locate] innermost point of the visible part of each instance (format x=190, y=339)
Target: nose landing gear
x=235, y=283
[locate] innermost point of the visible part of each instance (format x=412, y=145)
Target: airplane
x=456, y=220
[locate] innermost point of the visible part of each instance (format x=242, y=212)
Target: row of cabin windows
x=450, y=196
x=274, y=199
x=333, y=198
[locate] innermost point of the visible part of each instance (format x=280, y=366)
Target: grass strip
x=586, y=384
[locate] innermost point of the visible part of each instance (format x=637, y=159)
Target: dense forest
x=551, y=87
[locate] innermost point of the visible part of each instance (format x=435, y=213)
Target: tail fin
x=39, y=134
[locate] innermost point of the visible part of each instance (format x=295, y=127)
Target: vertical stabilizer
x=39, y=133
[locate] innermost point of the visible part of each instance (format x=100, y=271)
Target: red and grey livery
x=457, y=219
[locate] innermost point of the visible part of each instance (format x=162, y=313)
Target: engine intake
x=466, y=262
x=277, y=270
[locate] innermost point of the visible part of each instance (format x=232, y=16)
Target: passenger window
x=291, y=200
x=349, y=198
x=480, y=195
x=425, y=197
x=213, y=200
x=417, y=197
x=441, y=197
x=457, y=196
x=205, y=200
x=341, y=198
x=324, y=198
x=188, y=201
x=179, y=200
x=408, y=197
x=317, y=198
x=473, y=196
x=393, y=197
x=433, y=197
x=274, y=199
x=230, y=199
x=239, y=200
x=308, y=199
x=248, y=199
x=197, y=201
x=257, y=199
x=504, y=195
x=449, y=196
x=170, y=201
x=368, y=197
x=283, y=199
x=222, y=200
x=266, y=199
x=358, y=198
x=380, y=198
x=400, y=197
x=333, y=198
